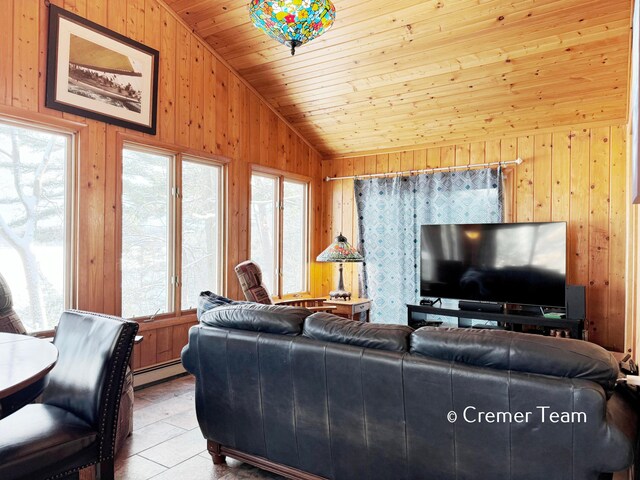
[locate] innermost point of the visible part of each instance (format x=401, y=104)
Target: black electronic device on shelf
x=480, y=306
x=430, y=302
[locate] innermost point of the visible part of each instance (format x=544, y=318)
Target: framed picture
x=97, y=73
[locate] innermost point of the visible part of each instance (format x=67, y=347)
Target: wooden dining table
x=24, y=360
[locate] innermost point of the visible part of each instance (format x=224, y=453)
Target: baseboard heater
x=157, y=373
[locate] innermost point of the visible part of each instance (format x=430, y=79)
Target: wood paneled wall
x=574, y=175
x=203, y=106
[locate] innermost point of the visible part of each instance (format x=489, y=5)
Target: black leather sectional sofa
x=317, y=396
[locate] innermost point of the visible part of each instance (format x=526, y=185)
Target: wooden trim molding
x=279, y=173
x=169, y=320
x=122, y=138
x=632, y=270
x=41, y=119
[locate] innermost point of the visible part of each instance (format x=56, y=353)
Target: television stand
x=464, y=317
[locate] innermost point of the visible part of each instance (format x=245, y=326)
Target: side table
x=354, y=309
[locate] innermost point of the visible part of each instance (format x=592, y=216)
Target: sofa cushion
x=558, y=357
x=331, y=328
x=208, y=300
x=258, y=318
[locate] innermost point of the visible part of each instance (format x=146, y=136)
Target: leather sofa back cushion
x=331, y=328
x=208, y=300
x=558, y=357
x=257, y=317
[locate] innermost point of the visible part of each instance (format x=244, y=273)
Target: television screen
x=521, y=263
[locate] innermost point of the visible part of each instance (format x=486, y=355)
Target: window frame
x=174, y=280
x=277, y=220
x=171, y=224
x=222, y=230
x=74, y=132
x=307, y=244
x=281, y=176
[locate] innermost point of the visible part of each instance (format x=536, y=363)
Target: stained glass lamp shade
x=340, y=251
x=292, y=22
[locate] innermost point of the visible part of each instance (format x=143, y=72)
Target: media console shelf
x=465, y=316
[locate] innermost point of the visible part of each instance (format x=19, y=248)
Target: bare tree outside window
x=201, y=230
x=280, y=241
x=294, y=237
x=151, y=238
x=145, y=233
x=33, y=166
x=264, y=243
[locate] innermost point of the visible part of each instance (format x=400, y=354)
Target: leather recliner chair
x=250, y=277
x=75, y=425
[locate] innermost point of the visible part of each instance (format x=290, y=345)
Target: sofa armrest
x=622, y=413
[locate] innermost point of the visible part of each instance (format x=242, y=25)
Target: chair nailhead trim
x=129, y=330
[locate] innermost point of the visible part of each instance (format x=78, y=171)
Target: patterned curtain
x=390, y=213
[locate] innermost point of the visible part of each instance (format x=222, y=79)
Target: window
x=264, y=221
x=146, y=265
x=279, y=232
x=35, y=226
x=294, y=237
x=201, y=230
x=167, y=263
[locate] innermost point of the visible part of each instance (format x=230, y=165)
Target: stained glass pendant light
x=292, y=22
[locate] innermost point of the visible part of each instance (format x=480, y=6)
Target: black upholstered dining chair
x=74, y=427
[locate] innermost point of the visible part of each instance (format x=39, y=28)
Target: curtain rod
x=517, y=161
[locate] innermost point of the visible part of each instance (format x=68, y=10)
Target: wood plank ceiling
x=403, y=73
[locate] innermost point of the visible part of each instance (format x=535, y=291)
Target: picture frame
x=97, y=73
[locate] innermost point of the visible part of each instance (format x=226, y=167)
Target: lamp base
x=339, y=295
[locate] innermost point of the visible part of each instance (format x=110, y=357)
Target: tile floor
x=166, y=443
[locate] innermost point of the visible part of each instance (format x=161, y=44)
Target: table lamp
x=340, y=252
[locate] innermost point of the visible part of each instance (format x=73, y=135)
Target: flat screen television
x=518, y=263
